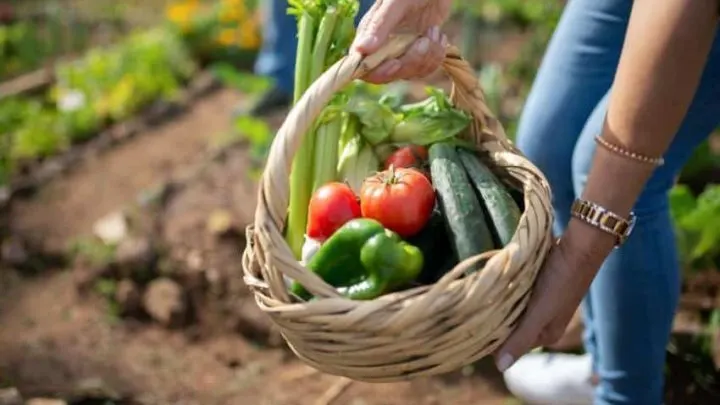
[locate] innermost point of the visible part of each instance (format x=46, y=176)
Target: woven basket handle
x=274, y=188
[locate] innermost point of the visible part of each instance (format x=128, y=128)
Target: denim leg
x=634, y=296
x=576, y=71
x=279, y=49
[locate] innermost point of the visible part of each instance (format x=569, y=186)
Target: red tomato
x=402, y=199
x=408, y=156
x=331, y=206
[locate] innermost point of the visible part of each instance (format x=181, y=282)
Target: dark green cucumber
x=502, y=211
x=434, y=242
x=468, y=230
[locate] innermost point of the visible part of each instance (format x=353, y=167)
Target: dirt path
x=70, y=205
x=52, y=343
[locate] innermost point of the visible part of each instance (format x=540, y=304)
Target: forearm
x=665, y=51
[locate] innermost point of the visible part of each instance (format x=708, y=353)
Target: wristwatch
x=604, y=219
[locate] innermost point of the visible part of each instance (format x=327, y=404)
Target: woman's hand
x=561, y=285
x=386, y=17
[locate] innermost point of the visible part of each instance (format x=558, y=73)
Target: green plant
x=523, y=13
x=697, y=225
x=104, y=86
x=91, y=250
x=118, y=81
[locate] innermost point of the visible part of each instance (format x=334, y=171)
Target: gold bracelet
x=603, y=219
x=656, y=161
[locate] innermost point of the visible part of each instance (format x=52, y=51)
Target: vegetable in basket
x=331, y=206
x=423, y=123
x=325, y=31
x=463, y=213
x=414, y=156
x=364, y=260
x=429, y=121
x=434, y=241
x=357, y=162
x=401, y=199
x=503, y=213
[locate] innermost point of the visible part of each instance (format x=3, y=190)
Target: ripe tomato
x=402, y=199
x=331, y=206
x=408, y=156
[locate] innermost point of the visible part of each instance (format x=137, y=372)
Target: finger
x=424, y=57
x=521, y=341
x=385, y=73
x=378, y=23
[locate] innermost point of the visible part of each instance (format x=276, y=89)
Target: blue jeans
x=277, y=55
x=630, y=306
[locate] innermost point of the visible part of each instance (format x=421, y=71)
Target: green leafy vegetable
x=429, y=121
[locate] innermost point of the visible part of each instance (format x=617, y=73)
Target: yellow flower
x=182, y=13
x=226, y=37
x=249, y=35
x=232, y=11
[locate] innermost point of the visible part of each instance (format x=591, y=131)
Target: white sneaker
x=552, y=379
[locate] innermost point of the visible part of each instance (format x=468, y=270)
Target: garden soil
x=60, y=339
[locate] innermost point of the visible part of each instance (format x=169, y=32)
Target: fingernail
x=366, y=42
x=504, y=362
x=423, y=45
x=444, y=40
x=389, y=69
x=393, y=68
x=435, y=33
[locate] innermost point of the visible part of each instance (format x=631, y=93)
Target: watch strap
x=603, y=219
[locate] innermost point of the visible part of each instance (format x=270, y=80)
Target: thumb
x=375, y=27
x=521, y=341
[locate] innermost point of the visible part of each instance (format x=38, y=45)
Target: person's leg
x=276, y=59
x=635, y=294
x=277, y=55
x=576, y=71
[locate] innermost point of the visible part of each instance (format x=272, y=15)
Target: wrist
x=586, y=246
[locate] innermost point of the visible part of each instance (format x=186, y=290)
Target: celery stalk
x=323, y=41
x=300, y=187
x=350, y=129
x=325, y=153
x=322, y=32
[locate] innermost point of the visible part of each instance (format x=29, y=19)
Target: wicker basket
x=418, y=332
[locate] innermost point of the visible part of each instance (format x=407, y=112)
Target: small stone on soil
x=111, y=228
x=194, y=260
x=13, y=252
x=95, y=387
x=45, y=401
x=128, y=297
x=165, y=302
x=220, y=222
x=10, y=396
x=135, y=253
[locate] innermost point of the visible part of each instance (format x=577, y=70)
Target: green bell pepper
x=364, y=260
